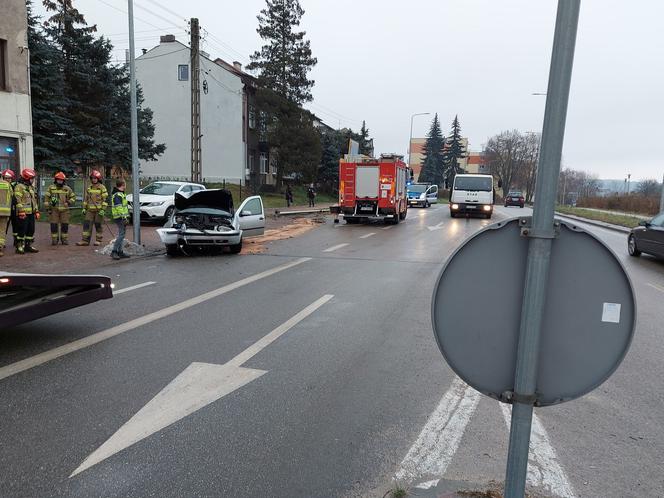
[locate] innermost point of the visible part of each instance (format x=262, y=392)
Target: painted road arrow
x=196, y=387
x=439, y=226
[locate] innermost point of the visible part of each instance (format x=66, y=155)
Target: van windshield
x=482, y=183
x=417, y=188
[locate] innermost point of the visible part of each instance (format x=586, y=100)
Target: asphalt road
x=308, y=371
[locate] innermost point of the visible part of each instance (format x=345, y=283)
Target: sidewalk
x=621, y=213
x=88, y=259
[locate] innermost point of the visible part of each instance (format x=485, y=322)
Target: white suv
x=158, y=198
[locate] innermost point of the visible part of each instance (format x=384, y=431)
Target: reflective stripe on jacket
x=6, y=193
x=119, y=207
x=59, y=197
x=95, y=197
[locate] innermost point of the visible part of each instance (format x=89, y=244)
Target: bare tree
x=531, y=143
x=501, y=151
x=649, y=188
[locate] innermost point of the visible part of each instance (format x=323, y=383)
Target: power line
x=173, y=13
x=125, y=12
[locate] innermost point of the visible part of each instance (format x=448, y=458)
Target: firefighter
x=27, y=211
x=120, y=215
x=59, y=198
x=6, y=203
x=94, y=209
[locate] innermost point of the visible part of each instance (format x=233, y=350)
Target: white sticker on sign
x=611, y=313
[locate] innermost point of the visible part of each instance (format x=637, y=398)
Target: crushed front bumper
x=195, y=237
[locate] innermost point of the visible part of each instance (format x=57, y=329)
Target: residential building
x=476, y=162
x=16, y=149
x=164, y=76
x=416, y=155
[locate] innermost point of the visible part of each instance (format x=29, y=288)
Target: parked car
x=648, y=237
x=158, y=198
x=515, y=198
x=422, y=194
x=206, y=219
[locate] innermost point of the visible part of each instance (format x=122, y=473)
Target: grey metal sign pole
x=541, y=234
x=134, y=129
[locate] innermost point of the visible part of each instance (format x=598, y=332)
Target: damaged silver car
x=206, y=220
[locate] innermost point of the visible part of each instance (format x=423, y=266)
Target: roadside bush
x=633, y=203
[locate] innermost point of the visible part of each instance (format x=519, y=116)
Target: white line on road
x=334, y=248
x=133, y=287
x=196, y=387
x=366, y=236
x=439, y=440
x=655, y=286
x=41, y=358
x=387, y=227
x=544, y=470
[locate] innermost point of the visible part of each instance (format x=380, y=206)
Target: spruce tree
x=285, y=59
x=49, y=119
x=283, y=63
x=454, y=151
x=364, y=140
x=432, y=160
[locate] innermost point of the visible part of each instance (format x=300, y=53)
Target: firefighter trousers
x=26, y=230
x=4, y=224
x=59, y=225
x=93, y=218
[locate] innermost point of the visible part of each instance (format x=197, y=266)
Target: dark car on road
x=648, y=237
x=515, y=198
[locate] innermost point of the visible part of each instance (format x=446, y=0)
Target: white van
x=472, y=194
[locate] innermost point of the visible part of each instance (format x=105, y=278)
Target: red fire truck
x=373, y=188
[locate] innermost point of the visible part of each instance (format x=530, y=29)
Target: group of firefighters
x=19, y=206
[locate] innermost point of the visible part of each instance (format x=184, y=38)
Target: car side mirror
x=644, y=223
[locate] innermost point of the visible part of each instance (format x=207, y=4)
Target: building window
x=251, y=163
x=252, y=117
x=183, y=72
x=263, y=161
x=9, y=154
x=3, y=65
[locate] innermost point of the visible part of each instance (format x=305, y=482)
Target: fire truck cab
x=373, y=189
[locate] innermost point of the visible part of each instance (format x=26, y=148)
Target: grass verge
x=614, y=219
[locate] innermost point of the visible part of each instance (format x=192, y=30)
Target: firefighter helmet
x=9, y=174
x=28, y=174
x=60, y=176
x=95, y=174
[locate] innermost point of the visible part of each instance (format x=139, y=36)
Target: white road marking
x=196, y=387
x=366, y=236
x=388, y=227
x=41, y=358
x=133, y=287
x=655, y=286
x=428, y=484
x=439, y=440
x=544, y=470
x=439, y=226
x=334, y=248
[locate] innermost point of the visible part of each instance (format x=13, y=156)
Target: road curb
x=602, y=224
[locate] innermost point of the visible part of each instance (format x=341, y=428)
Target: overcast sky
x=382, y=61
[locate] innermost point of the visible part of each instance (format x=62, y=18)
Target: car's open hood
x=215, y=199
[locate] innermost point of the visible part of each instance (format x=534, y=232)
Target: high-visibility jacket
x=119, y=205
x=26, y=199
x=59, y=198
x=6, y=193
x=95, y=197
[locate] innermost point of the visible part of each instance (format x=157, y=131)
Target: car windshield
x=417, y=189
x=515, y=193
x=160, y=189
x=482, y=183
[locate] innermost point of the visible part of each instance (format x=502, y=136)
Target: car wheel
x=236, y=248
x=452, y=215
x=403, y=214
x=172, y=250
x=631, y=247
x=521, y=205
x=169, y=213
x=427, y=204
x=488, y=216
x=351, y=221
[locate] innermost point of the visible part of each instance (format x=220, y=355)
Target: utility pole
x=196, y=161
x=136, y=204
x=541, y=235
x=629, y=177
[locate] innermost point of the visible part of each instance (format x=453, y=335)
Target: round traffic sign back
x=588, y=322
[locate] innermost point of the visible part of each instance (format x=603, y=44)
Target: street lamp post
x=410, y=139
x=134, y=129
